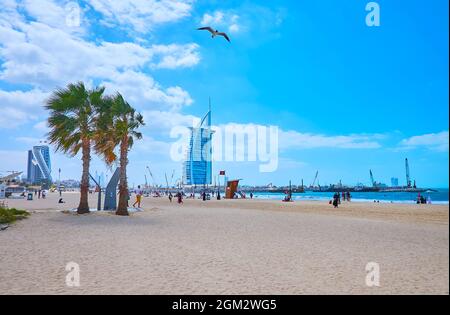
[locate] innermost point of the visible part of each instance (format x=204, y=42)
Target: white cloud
x=288, y=140
x=12, y=118
x=167, y=120
x=142, y=15
x=214, y=18
x=47, y=57
x=31, y=100
x=143, y=92
x=432, y=141
x=57, y=15
x=20, y=107
x=297, y=140
x=247, y=19
x=175, y=56
x=234, y=26
x=41, y=127
x=42, y=54
x=219, y=18
x=9, y=15
x=150, y=145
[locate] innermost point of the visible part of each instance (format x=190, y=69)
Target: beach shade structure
x=111, y=192
x=231, y=189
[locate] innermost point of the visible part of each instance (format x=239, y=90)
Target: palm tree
x=72, y=121
x=117, y=126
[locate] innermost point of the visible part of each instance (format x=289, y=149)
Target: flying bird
x=214, y=32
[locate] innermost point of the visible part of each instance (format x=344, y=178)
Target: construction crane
x=171, y=177
x=167, y=182
x=374, y=184
x=151, y=175
x=315, y=178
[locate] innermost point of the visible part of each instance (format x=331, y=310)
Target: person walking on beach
x=39, y=194
x=349, y=197
x=138, y=193
x=335, y=200
x=343, y=196
x=170, y=197
x=179, y=197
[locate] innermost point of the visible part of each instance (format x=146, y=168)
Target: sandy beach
x=227, y=247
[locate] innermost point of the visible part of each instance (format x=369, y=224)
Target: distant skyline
x=345, y=97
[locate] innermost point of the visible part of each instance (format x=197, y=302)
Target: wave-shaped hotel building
x=39, y=165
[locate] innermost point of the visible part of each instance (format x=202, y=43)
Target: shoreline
x=357, y=200
x=367, y=197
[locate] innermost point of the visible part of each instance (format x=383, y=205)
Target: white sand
x=227, y=247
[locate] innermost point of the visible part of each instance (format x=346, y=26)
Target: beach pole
x=99, y=201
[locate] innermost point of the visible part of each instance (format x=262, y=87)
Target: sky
x=344, y=97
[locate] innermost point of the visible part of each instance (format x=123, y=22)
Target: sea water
x=441, y=196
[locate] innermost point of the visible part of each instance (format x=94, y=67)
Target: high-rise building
x=197, y=168
x=394, y=182
x=39, y=165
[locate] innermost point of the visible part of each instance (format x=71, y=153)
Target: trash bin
x=30, y=196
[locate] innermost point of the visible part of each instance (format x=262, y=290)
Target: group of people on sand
x=40, y=193
x=346, y=196
x=422, y=200
x=178, y=195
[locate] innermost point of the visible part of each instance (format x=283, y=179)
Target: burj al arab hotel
x=197, y=168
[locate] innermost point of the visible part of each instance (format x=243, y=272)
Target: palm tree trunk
x=83, y=207
x=122, y=208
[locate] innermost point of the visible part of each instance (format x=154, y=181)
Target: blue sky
x=346, y=97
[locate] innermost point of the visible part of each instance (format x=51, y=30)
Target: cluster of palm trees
x=87, y=119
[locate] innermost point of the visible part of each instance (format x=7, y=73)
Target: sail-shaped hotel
x=197, y=168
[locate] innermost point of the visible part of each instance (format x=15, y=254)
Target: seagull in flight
x=214, y=32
